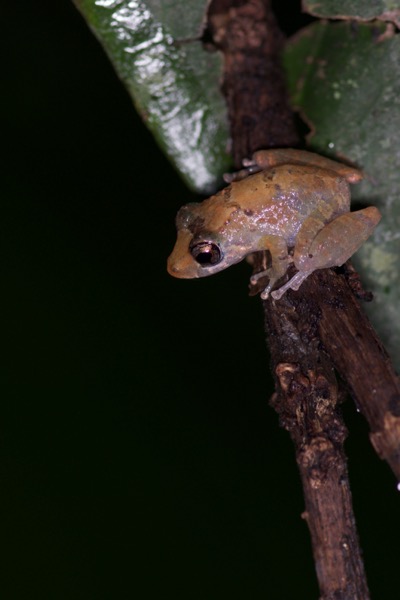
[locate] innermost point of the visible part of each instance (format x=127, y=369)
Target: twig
x=360, y=358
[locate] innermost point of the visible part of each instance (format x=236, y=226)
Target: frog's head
x=199, y=250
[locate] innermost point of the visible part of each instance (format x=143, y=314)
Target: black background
x=139, y=457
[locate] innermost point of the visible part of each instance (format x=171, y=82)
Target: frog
x=292, y=203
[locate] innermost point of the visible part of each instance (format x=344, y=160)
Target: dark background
x=138, y=455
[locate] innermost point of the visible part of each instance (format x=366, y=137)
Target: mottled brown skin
x=293, y=200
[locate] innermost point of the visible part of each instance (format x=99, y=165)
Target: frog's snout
x=173, y=268
x=182, y=266
x=180, y=263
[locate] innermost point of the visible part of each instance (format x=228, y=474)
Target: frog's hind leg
x=266, y=159
x=336, y=241
x=331, y=246
x=275, y=157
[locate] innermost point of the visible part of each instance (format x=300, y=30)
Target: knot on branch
x=307, y=404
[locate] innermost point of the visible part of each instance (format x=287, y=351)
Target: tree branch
x=315, y=329
x=307, y=403
x=253, y=82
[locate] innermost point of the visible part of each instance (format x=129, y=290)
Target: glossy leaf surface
x=174, y=83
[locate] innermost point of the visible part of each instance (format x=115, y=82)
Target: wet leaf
x=173, y=82
x=386, y=10
x=346, y=82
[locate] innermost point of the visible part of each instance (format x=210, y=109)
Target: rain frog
x=292, y=203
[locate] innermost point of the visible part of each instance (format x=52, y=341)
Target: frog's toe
x=248, y=169
x=250, y=165
x=292, y=284
x=257, y=276
x=265, y=293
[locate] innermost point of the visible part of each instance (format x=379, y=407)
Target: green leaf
x=346, y=83
x=173, y=82
x=386, y=10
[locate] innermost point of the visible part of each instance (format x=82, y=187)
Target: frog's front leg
x=320, y=246
x=278, y=265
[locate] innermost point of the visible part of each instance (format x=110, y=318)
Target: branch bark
x=247, y=34
x=307, y=403
x=315, y=329
x=360, y=358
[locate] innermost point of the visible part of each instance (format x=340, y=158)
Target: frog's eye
x=206, y=253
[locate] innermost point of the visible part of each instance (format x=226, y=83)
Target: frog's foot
x=274, y=273
x=292, y=284
x=266, y=273
x=250, y=167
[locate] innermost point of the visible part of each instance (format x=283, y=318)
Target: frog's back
x=275, y=201
x=299, y=185
x=279, y=199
